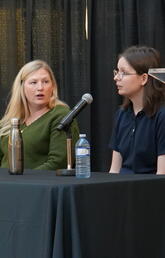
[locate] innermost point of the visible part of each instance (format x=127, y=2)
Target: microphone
x=86, y=99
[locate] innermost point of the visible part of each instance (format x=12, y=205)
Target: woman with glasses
x=138, y=138
x=34, y=100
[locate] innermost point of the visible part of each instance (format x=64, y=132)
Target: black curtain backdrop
x=82, y=52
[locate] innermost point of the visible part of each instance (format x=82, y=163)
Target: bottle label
x=82, y=151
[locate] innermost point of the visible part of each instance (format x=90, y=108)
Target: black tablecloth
x=106, y=216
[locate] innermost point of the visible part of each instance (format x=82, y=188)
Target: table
x=106, y=216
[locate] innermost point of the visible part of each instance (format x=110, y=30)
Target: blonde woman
x=34, y=100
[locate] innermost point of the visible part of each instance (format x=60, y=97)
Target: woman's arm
x=161, y=165
x=57, y=155
x=116, y=162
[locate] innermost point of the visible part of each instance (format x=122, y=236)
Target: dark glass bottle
x=15, y=148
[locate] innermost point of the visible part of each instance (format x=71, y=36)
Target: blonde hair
x=18, y=106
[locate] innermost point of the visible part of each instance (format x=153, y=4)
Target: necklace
x=32, y=120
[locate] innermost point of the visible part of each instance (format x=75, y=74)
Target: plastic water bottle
x=82, y=151
x=15, y=148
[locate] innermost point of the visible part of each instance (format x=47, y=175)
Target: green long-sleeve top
x=44, y=146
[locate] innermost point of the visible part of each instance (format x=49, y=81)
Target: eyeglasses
x=121, y=74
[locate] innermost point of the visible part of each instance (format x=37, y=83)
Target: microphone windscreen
x=88, y=98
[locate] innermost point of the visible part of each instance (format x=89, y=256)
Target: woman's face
x=128, y=82
x=38, y=88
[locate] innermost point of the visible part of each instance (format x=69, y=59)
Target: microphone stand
x=69, y=171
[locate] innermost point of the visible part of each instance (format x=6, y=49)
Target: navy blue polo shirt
x=140, y=139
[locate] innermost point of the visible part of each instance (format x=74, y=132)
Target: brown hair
x=141, y=58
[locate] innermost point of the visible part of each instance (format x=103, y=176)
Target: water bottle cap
x=14, y=121
x=82, y=135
